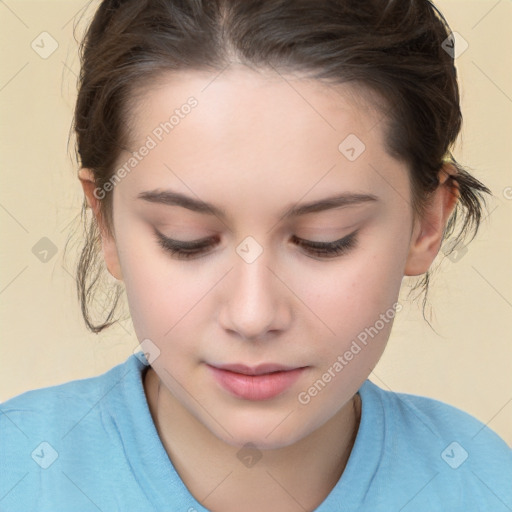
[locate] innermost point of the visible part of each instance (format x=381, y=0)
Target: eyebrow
x=171, y=198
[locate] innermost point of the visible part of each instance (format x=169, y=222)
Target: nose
x=255, y=300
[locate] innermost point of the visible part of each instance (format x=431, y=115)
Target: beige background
x=44, y=340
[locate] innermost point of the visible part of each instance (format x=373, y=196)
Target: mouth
x=262, y=382
x=261, y=369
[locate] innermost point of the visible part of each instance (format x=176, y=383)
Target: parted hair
x=392, y=50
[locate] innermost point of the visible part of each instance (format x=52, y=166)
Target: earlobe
x=86, y=178
x=428, y=231
x=111, y=257
x=108, y=243
x=425, y=243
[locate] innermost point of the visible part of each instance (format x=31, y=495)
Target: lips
x=255, y=370
x=262, y=382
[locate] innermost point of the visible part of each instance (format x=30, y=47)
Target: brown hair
x=391, y=49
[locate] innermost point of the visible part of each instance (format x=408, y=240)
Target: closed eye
x=329, y=249
x=187, y=250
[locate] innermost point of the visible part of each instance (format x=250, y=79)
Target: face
x=261, y=286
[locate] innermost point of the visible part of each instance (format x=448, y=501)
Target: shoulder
x=417, y=414
x=76, y=444
x=37, y=400
x=55, y=408
x=462, y=455
x=419, y=419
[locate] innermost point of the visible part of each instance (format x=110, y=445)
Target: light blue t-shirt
x=91, y=445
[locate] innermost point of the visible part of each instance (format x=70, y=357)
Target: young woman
x=262, y=175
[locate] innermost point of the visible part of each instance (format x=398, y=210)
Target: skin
x=253, y=146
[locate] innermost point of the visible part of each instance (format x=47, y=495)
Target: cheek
x=161, y=292
x=352, y=292
x=355, y=302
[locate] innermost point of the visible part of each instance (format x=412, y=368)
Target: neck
x=287, y=478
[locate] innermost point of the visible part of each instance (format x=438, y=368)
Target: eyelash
x=187, y=250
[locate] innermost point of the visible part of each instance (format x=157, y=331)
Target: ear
x=108, y=242
x=428, y=231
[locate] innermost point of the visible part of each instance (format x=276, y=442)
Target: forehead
x=256, y=102
x=252, y=129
